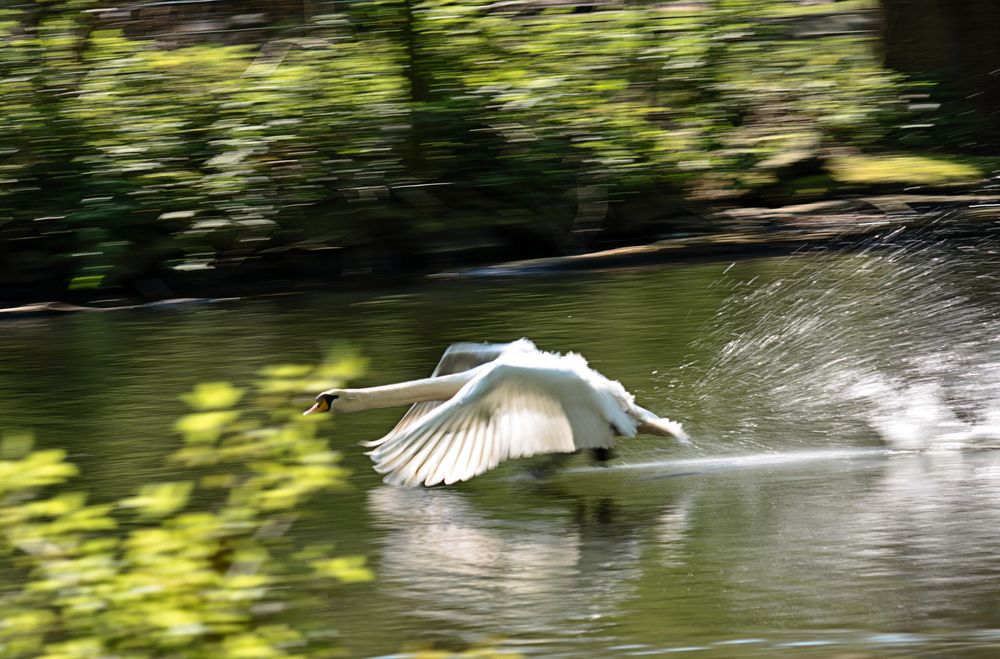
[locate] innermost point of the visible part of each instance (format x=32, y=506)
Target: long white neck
x=404, y=393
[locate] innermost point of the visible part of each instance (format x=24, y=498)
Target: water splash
x=898, y=341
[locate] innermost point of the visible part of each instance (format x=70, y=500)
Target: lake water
x=841, y=499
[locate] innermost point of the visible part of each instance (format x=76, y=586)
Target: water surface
x=842, y=497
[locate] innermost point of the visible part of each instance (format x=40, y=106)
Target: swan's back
x=609, y=396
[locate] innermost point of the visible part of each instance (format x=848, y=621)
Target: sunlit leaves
x=347, y=569
x=344, y=366
x=205, y=426
x=242, y=148
x=160, y=499
x=213, y=396
x=928, y=170
x=38, y=469
x=286, y=371
x=341, y=364
x=180, y=568
x=85, y=281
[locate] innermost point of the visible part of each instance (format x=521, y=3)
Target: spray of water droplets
x=897, y=342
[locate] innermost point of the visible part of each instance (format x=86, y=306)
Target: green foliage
x=125, y=159
x=193, y=568
x=910, y=169
x=791, y=9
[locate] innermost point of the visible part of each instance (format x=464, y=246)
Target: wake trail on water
x=748, y=461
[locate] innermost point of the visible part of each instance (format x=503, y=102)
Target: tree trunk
x=952, y=41
x=417, y=80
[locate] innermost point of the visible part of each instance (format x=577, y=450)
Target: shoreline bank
x=739, y=232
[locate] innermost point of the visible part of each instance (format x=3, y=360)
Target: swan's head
x=325, y=402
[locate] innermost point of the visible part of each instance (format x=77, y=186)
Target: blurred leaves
x=933, y=170
x=160, y=499
x=86, y=281
x=212, y=395
x=193, y=568
x=36, y=470
x=395, y=123
x=204, y=426
x=347, y=569
x=342, y=363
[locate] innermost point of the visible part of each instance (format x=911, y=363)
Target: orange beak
x=319, y=406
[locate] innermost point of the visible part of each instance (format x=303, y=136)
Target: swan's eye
x=327, y=398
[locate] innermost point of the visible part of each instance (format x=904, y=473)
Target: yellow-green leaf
x=204, y=426
x=160, y=499
x=286, y=371
x=213, y=396
x=348, y=569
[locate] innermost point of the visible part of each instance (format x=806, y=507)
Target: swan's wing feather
x=414, y=414
x=412, y=457
x=457, y=357
x=460, y=357
x=507, y=412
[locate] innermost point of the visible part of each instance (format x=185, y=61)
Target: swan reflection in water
x=555, y=571
x=878, y=540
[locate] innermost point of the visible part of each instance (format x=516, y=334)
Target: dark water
x=842, y=498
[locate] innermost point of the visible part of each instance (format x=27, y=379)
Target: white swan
x=488, y=402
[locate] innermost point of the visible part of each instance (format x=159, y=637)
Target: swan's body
x=485, y=403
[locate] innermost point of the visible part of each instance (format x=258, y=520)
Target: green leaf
x=85, y=282
x=38, y=469
x=213, y=396
x=204, y=426
x=286, y=371
x=160, y=499
x=347, y=569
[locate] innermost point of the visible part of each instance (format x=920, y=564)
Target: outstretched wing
x=457, y=357
x=508, y=411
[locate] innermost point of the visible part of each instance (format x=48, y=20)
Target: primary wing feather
x=509, y=411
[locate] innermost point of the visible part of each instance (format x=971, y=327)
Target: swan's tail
x=650, y=424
